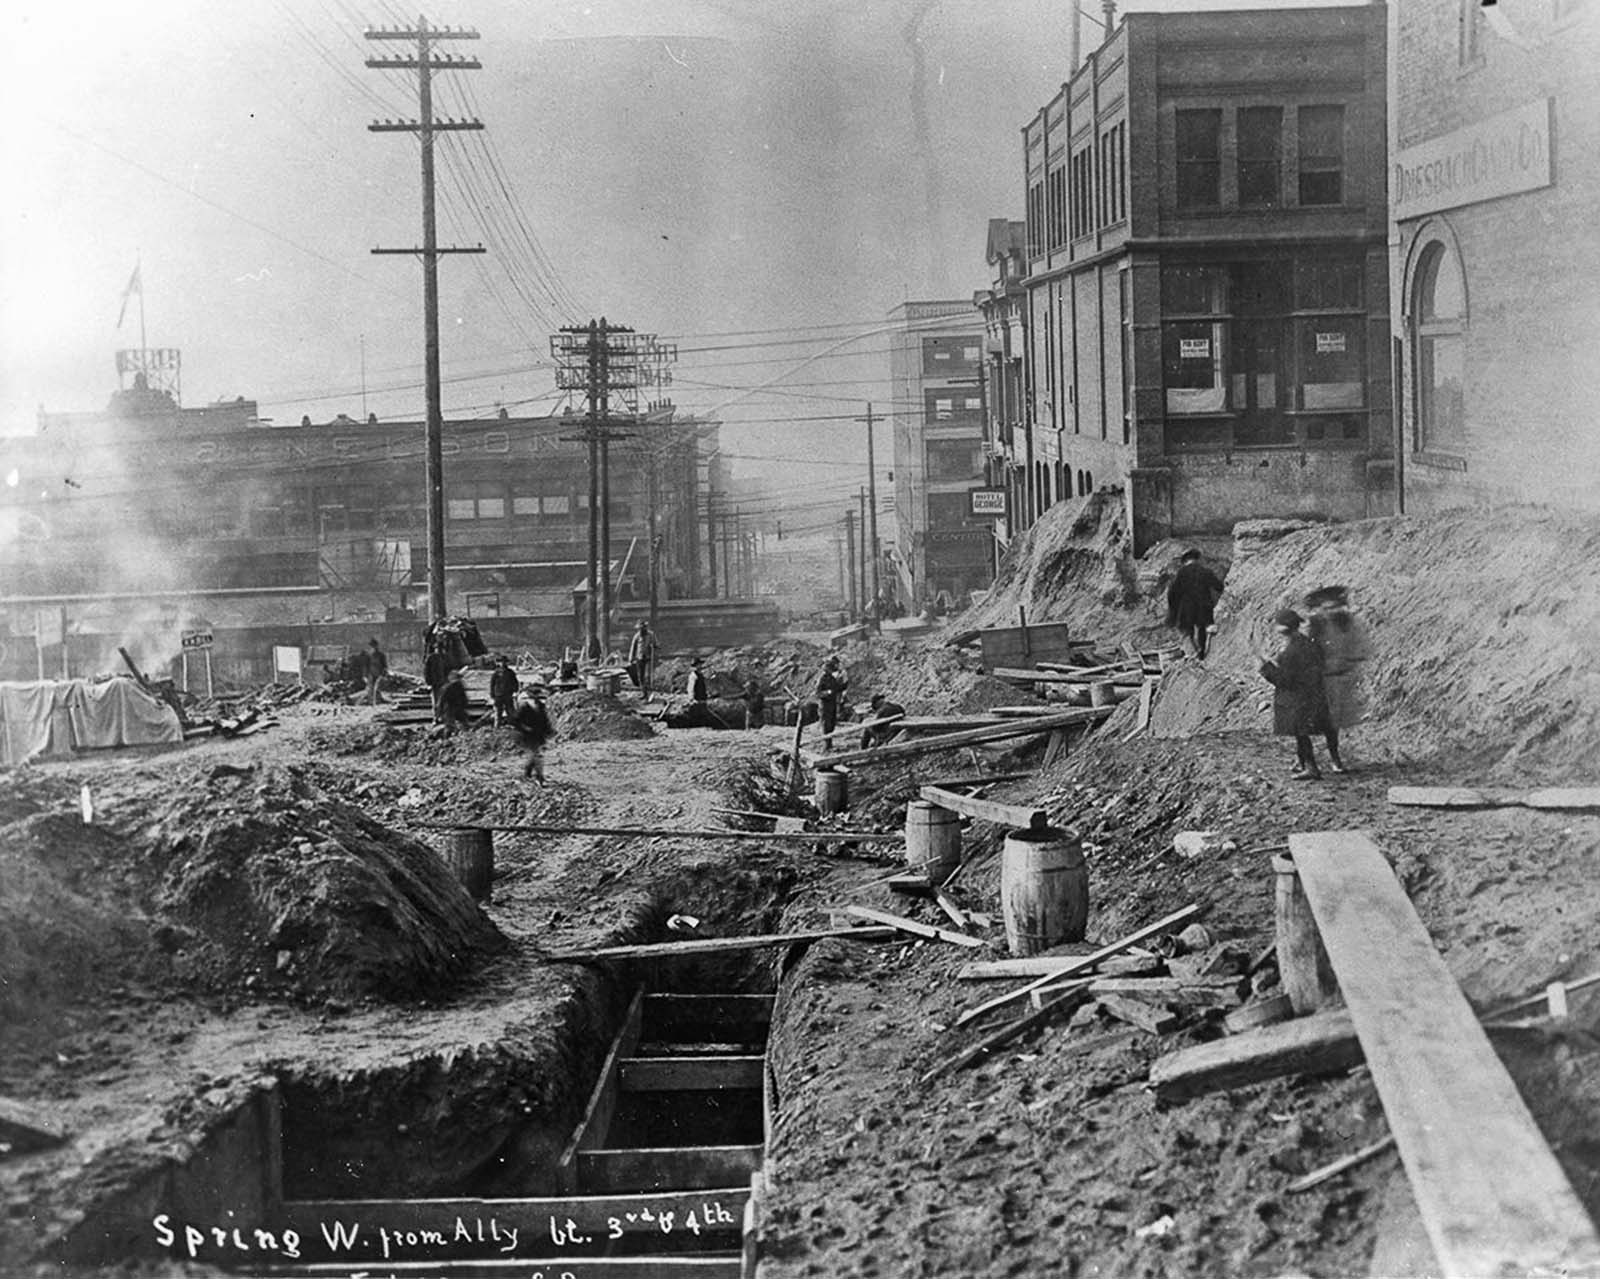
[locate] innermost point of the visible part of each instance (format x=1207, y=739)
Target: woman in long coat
x=1342, y=640
x=1293, y=666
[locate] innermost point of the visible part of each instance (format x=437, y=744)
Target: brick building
x=149, y=506
x=935, y=357
x=1208, y=290
x=1004, y=307
x=1495, y=193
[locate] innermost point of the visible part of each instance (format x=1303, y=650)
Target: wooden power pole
x=425, y=64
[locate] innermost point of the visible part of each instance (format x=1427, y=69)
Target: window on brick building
x=1199, y=157
x=1439, y=321
x=1321, y=155
x=1260, y=151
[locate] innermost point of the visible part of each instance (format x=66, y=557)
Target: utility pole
x=861, y=502
x=872, y=508
x=711, y=538
x=850, y=558
x=654, y=496
x=425, y=64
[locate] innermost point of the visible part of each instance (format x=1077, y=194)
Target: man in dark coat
x=503, y=686
x=1293, y=666
x=698, y=690
x=1192, y=599
x=882, y=708
x=642, y=650
x=755, y=705
x=830, y=689
x=376, y=667
x=436, y=670
x=453, y=704
x=533, y=721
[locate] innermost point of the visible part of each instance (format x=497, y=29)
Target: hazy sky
x=723, y=173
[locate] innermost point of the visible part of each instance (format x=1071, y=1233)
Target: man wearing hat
x=453, y=704
x=830, y=689
x=1293, y=666
x=1192, y=600
x=503, y=686
x=642, y=656
x=698, y=690
x=532, y=721
x=1342, y=640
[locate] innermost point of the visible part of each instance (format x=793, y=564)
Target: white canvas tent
x=56, y=717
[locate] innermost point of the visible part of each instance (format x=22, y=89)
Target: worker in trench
x=831, y=685
x=882, y=708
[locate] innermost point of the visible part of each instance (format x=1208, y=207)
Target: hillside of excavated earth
x=267, y=911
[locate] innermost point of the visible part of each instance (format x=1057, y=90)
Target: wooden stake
x=911, y=926
x=1329, y=1171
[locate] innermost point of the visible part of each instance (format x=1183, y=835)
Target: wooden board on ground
x=26, y=1126
x=992, y=732
x=1493, y=1198
x=988, y=810
x=1026, y=675
x=714, y=945
x=668, y=832
x=1576, y=798
x=1316, y=1044
x=596, y=1122
x=926, y=931
x=1439, y=797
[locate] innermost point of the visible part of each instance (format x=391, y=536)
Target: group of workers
x=1314, y=672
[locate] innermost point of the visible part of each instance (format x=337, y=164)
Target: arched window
x=1439, y=345
x=1088, y=481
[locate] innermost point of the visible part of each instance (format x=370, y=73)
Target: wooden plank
x=637, y=1217
x=668, y=832
x=689, y=1074
x=988, y=810
x=1084, y=962
x=592, y=1128
x=714, y=945
x=1046, y=965
x=1215, y=992
x=956, y=915
x=911, y=926
x=1493, y=1198
x=1019, y=675
x=1339, y=1166
x=1317, y=1044
x=28, y=1126
x=992, y=732
x=1573, y=798
x=1137, y=1014
x=608, y=1172
x=1439, y=797
x=844, y=730
x=1060, y=1005
x=1088, y=673
x=980, y=779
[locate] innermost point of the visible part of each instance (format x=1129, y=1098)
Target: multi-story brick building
x=1495, y=193
x=1208, y=291
x=1004, y=306
x=935, y=358
x=212, y=511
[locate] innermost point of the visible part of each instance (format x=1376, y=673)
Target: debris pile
x=582, y=716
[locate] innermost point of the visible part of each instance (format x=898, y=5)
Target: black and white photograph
x=720, y=639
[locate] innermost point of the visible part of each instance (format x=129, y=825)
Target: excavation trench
x=623, y=1140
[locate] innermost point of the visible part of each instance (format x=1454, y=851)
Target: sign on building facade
x=1503, y=155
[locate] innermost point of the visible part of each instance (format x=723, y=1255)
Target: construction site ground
x=144, y=996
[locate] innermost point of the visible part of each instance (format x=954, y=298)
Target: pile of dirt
x=582, y=716
x=415, y=744
x=1477, y=622
x=270, y=884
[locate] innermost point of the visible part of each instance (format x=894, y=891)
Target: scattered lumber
x=1260, y=1012
x=1204, y=992
x=988, y=810
x=1155, y=1020
x=1492, y=1196
x=715, y=945
x=1062, y=1004
x=1321, y=1043
x=1147, y=698
x=845, y=729
x=1021, y=675
x=1329, y=1171
x=958, y=917
x=910, y=883
x=1570, y=798
x=988, y=733
x=980, y=779
x=1084, y=962
x=1533, y=1001
x=926, y=931
x=1045, y=965
x=1090, y=672
x=25, y=1126
x=668, y=832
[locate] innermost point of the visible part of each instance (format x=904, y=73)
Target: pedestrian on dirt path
x=1293, y=666
x=377, y=667
x=533, y=722
x=1342, y=639
x=1192, y=601
x=831, y=685
x=642, y=650
x=882, y=708
x=755, y=705
x=435, y=672
x=698, y=689
x=503, y=685
x=453, y=704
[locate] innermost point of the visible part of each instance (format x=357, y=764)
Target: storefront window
x=1192, y=363
x=1439, y=318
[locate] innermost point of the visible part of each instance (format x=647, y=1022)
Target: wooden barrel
x=1102, y=693
x=604, y=682
x=1044, y=889
x=933, y=840
x=1303, y=966
x=831, y=792
x=469, y=854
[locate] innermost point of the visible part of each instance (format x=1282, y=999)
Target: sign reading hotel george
x=1502, y=155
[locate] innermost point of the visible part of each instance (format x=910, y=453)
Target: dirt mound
x=418, y=744
x=1479, y=622
x=582, y=716
x=279, y=887
x=1074, y=564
